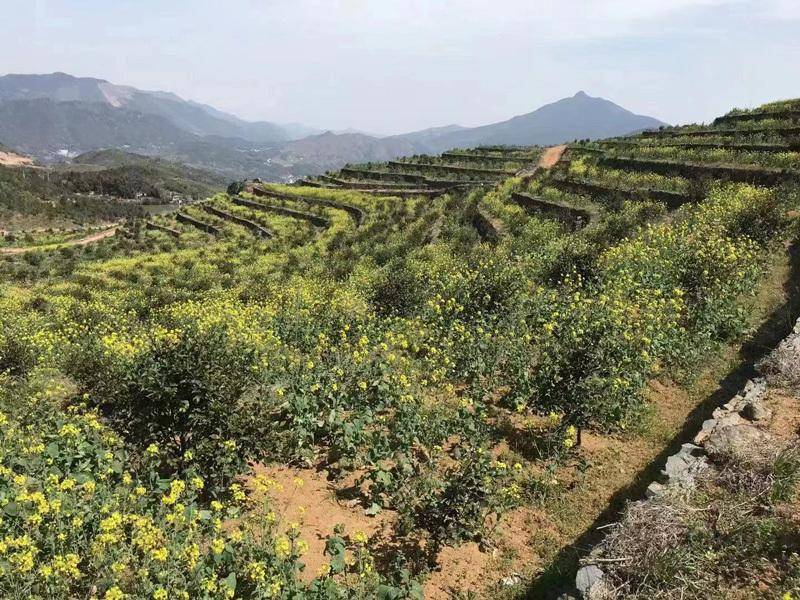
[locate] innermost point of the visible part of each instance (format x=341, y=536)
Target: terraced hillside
x=435, y=376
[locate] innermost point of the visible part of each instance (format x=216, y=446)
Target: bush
x=79, y=522
x=186, y=390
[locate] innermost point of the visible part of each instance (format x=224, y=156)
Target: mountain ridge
x=56, y=115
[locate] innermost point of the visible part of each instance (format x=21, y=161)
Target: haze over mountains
x=56, y=116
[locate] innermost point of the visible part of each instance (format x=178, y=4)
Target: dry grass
x=782, y=366
x=726, y=534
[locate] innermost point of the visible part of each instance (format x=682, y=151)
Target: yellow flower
x=67, y=565
x=114, y=594
x=176, y=488
x=68, y=430
x=191, y=554
x=160, y=594
x=256, y=571
x=160, y=554
x=570, y=437
x=283, y=547
x=23, y=561
x=218, y=545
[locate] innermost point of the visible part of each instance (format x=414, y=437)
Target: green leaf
x=373, y=510
x=52, y=449
x=387, y=592
x=230, y=582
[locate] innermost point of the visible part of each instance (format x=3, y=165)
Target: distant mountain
x=428, y=136
x=54, y=116
x=191, y=117
x=296, y=131
x=578, y=117
x=49, y=128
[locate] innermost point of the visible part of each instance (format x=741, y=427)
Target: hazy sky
x=391, y=66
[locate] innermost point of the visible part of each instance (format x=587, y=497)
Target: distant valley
x=57, y=117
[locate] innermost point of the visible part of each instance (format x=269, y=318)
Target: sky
x=392, y=66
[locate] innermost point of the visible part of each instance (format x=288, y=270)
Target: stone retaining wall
x=730, y=427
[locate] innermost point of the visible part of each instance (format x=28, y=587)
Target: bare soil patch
x=10, y=159
x=551, y=156
x=305, y=496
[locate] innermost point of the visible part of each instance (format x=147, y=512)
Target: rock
x=682, y=467
x=654, y=490
x=743, y=444
x=728, y=420
x=735, y=404
x=755, y=389
x=756, y=411
x=705, y=431
x=511, y=580
x=588, y=577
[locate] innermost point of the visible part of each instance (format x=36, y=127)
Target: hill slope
x=330, y=150
x=101, y=169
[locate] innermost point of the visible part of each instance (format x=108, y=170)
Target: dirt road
x=551, y=156
x=547, y=160
x=100, y=235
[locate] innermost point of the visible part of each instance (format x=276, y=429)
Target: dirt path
x=551, y=156
x=100, y=235
x=547, y=160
